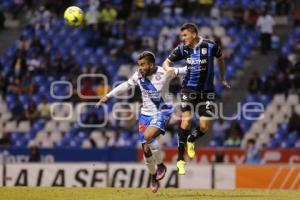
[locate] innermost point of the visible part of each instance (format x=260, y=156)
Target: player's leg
x=205, y=109
x=186, y=121
x=148, y=157
x=161, y=168
x=150, y=163
x=151, y=133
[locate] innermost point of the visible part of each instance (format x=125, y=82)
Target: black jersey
x=200, y=64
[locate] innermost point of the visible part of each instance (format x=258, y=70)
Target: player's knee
x=154, y=146
x=148, y=137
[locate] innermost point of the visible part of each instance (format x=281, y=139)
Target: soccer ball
x=74, y=16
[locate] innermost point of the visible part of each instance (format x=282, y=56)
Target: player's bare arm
x=166, y=66
x=116, y=91
x=102, y=100
x=221, y=63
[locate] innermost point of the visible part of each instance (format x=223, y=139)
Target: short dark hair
x=148, y=55
x=190, y=27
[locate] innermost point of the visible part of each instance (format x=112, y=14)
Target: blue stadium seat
x=38, y=125
x=265, y=99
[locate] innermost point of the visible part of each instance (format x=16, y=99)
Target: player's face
x=145, y=67
x=188, y=37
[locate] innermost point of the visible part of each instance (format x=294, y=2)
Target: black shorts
x=198, y=102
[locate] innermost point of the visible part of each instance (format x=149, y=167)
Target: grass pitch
x=44, y=193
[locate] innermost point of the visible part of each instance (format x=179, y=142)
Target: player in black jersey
x=197, y=92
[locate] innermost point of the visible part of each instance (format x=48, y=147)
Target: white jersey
x=154, y=89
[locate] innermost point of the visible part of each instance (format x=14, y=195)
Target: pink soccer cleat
x=161, y=171
x=154, y=184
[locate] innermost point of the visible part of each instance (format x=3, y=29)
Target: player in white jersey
x=155, y=112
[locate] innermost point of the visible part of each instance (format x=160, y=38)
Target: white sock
x=157, y=156
x=150, y=163
x=156, y=152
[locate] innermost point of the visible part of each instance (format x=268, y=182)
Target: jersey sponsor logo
x=193, y=61
x=203, y=61
x=204, y=51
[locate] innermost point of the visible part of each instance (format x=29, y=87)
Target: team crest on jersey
x=157, y=77
x=204, y=51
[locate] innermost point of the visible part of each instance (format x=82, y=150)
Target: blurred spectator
x=252, y=152
x=33, y=63
x=18, y=111
x=251, y=18
x=31, y=112
x=294, y=122
x=215, y=16
x=238, y=16
x=44, y=109
x=27, y=84
x=23, y=44
x=5, y=140
x=219, y=128
x=34, y=154
x=234, y=140
x=235, y=135
x=255, y=83
x=93, y=16
x=43, y=18
x=19, y=64
x=265, y=23
x=15, y=87
x=108, y=14
x=269, y=84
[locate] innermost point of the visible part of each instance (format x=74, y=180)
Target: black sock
x=160, y=165
x=194, y=135
x=182, y=137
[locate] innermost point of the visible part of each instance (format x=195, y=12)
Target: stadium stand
x=49, y=51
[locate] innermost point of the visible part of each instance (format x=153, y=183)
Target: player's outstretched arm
x=221, y=63
x=103, y=100
x=115, y=92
